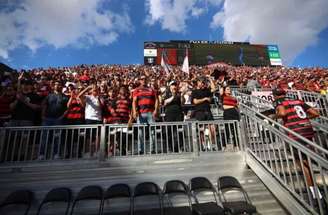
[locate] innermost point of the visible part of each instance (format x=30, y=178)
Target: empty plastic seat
x=176, y=187
x=89, y=193
x=57, y=195
x=118, y=191
x=147, y=189
x=199, y=185
x=242, y=206
x=20, y=197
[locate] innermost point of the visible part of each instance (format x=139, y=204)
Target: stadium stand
x=45, y=142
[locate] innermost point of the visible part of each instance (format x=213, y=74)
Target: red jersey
x=229, y=100
x=123, y=107
x=297, y=119
x=146, y=98
x=75, y=111
x=110, y=114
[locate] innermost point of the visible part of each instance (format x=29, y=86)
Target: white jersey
x=92, y=108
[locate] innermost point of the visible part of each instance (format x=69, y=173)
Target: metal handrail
x=274, y=126
x=283, y=170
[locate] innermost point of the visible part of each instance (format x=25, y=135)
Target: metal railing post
x=2, y=142
x=241, y=134
x=102, y=143
x=194, y=139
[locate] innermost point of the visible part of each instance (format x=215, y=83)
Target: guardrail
x=317, y=100
x=320, y=124
x=301, y=168
x=33, y=144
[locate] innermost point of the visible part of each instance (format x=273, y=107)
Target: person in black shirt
x=173, y=113
x=172, y=103
x=25, y=108
x=54, y=109
x=201, y=98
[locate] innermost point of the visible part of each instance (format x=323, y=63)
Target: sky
x=52, y=33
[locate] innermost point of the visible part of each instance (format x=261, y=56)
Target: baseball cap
x=173, y=83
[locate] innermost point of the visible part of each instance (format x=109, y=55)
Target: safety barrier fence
x=301, y=168
x=257, y=104
x=103, y=141
x=316, y=100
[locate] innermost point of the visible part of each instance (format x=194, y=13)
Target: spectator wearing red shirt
x=85, y=77
x=75, y=108
x=144, y=109
x=123, y=105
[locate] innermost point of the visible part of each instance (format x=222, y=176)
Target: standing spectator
x=172, y=103
x=201, y=98
x=74, y=116
x=173, y=113
x=122, y=110
x=252, y=83
x=123, y=105
x=296, y=116
x=54, y=108
x=7, y=96
x=26, y=106
x=110, y=115
x=230, y=112
x=93, y=105
x=75, y=109
x=144, y=109
x=93, y=115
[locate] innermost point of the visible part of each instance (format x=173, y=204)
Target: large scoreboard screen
x=208, y=52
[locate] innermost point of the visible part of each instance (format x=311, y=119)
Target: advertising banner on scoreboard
x=150, y=52
x=274, y=55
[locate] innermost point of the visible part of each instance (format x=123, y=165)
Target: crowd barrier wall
x=104, y=141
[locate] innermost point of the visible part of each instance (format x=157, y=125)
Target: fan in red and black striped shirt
x=296, y=115
x=123, y=106
x=75, y=109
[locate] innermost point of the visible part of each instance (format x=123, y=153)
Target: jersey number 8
x=300, y=112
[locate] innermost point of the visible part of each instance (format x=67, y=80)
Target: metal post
x=194, y=139
x=102, y=143
x=2, y=142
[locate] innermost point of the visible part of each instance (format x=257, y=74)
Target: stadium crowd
x=120, y=94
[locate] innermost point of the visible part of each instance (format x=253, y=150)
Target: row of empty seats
x=217, y=201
